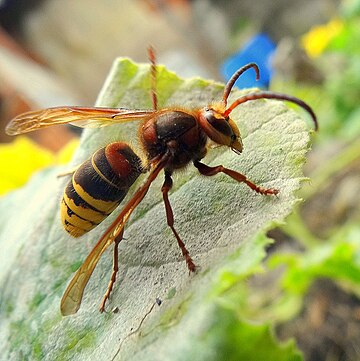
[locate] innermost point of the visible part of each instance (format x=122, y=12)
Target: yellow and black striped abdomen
x=98, y=186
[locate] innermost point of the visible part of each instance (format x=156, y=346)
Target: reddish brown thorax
x=177, y=131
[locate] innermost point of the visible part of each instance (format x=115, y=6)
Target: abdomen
x=98, y=186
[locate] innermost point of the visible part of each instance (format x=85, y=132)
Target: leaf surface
x=222, y=223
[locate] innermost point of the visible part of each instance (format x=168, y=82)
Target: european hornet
x=171, y=138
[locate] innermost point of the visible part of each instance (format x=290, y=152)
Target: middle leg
x=170, y=220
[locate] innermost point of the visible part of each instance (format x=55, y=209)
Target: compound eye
x=220, y=124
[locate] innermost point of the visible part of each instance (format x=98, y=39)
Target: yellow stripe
x=75, y=231
x=102, y=206
x=78, y=222
x=97, y=170
x=85, y=213
x=74, y=219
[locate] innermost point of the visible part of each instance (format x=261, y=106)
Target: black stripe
x=104, y=167
x=77, y=230
x=74, y=196
x=98, y=188
x=70, y=212
x=99, y=158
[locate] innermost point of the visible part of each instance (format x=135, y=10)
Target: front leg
x=210, y=171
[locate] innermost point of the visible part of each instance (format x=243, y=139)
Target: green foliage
x=338, y=259
x=342, y=85
x=336, y=255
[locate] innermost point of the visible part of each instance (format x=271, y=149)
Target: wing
x=71, y=300
x=79, y=116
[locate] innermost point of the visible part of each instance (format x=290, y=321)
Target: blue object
x=258, y=50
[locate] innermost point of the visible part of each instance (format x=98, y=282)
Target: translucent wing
x=79, y=116
x=71, y=300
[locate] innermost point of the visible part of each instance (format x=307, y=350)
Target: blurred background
x=56, y=53
x=59, y=53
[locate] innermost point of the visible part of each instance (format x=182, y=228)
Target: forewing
x=71, y=300
x=79, y=116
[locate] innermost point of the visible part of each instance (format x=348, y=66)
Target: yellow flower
x=316, y=40
x=21, y=158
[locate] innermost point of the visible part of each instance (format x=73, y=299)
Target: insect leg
x=114, y=271
x=153, y=76
x=170, y=220
x=68, y=173
x=210, y=171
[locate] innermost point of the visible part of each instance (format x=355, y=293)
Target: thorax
x=174, y=130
